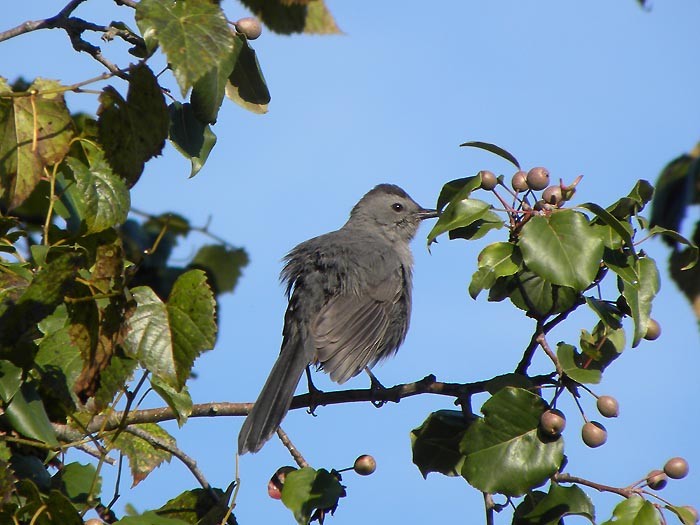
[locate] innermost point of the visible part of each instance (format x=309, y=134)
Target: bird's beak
x=427, y=214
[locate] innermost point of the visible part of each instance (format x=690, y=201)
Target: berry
x=553, y=422
x=594, y=434
x=608, y=406
x=519, y=181
x=488, y=180
x=365, y=465
x=250, y=27
x=657, y=479
x=538, y=179
x=676, y=468
x=552, y=195
x=653, y=330
x=274, y=486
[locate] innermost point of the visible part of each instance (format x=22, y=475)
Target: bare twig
x=294, y=451
x=567, y=478
x=542, y=341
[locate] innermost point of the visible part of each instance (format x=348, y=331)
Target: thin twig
x=294, y=451
x=567, y=478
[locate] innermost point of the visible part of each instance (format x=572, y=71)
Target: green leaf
x=675, y=189
x=194, y=36
x=319, y=20
x=622, y=229
x=35, y=132
x=46, y=291
x=77, y=482
x=246, y=84
x=496, y=260
x=602, y=346
x=572, y=362
x=62, y=511
x=59, y=361
x=631, y=205
x=492, y=148
x=562, y=249
x=191, y=310
x=113, y=378
x=26, y=415
x=222, y=264
x=462, y=187
x=180, y=401
x=684, y=515
x=479, y=228
x=692, y=255
x=197, y=507
x=144, y=458
x=458, y=214
x=435, y=443
x=533, y=294
x=134, y=130
x=307, y=489
x=504, y=453
x=209, y=91
x=607, y=312
x=148, y=336
x=634, y=511
x=99, y=198
x=559, y=502
x=10, y=380
x=190, y=136
x=640, y=293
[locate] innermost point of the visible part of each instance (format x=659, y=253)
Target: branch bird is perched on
x=349, y=303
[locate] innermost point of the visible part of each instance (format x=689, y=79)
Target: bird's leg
x=313, y=392
x=375, y=386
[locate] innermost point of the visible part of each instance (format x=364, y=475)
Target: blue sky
x=602, y=89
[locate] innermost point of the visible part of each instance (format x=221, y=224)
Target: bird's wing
x=350, y=330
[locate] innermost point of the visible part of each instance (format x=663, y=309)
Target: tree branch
x=567, y=478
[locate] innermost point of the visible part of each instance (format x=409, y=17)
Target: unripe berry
x=538, y=178
x=676, y=468
x=594, y=434
x=553, y=422
x=608, y=406
x=519, y=181
x=653, y=330
x=552, y=195
x=365, y=465
x=488, y=180
x=250, y=27
x=657, y=479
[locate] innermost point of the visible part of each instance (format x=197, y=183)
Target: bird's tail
x=275, y=397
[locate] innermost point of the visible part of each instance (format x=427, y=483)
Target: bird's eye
x=397, y=206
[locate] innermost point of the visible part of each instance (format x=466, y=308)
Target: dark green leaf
x=602, y=346
x=634, y=511
x=10, y=380
x=190, y=136
x=435, y=443
x=197, y=507
x=133, y=130
x=113, y=378
x=462, y=187
x=285, y=17
x=209, y=91
x=607, y=312
x=535, y=295
x=603, y=216
x=675, y=189
x=246, y=84
x=559, y=502
x=562, y=248
x=194, y=36
x=631, y=205
x=222, y=264
x=26, y=415
x=77, y=482
x=492, y=148
x=308, y=489
x=35, y=131
x=62, y=511
x=504, y=453
x=572, y=364
x=477, y=229
x=677, y=237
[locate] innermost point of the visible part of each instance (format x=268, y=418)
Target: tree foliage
x=93, y=310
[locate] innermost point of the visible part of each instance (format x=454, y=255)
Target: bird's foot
x=314, y=394
x=375, y=388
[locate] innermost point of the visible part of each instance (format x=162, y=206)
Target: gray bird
x=349, y=303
